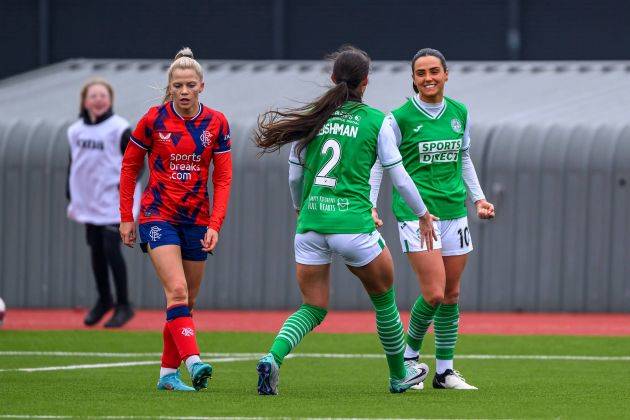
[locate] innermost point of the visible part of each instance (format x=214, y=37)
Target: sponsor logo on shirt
x=90, y=144
x=439, y=151
x=164, y=137
x=183, y=165
x=417, y=129
x=342, y=204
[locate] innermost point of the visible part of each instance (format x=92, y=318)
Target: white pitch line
x=90, y=366
x=112, y=365
x=248, y=356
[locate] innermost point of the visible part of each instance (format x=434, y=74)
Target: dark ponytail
x=277, y=128
x=424, y=53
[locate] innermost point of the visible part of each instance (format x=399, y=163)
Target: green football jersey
x=431, y=148
x=337, y=164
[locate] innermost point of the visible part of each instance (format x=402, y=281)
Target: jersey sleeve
x=224, y=143
x=293, y=157
x=132, y=163
x=142, y=135
x=296, y=176
x=395, y=128
x=388, y=153
x=221, y=176
x=466, y=138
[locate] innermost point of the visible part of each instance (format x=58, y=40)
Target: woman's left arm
x=222, y=183
x=485, y=210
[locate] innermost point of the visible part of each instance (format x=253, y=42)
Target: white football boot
x=414, y=362
x=451, y=379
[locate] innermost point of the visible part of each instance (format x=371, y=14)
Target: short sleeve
x=224, y=144
x=142, y=135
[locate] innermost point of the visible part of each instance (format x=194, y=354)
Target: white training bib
x=95, y=171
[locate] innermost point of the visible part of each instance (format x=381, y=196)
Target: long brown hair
x=277, y=128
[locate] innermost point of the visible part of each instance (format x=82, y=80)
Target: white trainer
x=451, y=379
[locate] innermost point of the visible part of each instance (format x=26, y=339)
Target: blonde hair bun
x=184, y=52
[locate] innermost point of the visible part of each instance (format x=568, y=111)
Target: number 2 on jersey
x=322, y=177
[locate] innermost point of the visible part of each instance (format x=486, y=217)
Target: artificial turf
x=315, y=386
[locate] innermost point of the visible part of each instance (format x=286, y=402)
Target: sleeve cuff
x=392, y=164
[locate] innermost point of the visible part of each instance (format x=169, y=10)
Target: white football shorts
x=356, y=249
x=453, y=236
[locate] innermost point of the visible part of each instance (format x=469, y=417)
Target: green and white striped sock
x=300, y=323
x=421, y=317
x=446, y=323
x=390, y=331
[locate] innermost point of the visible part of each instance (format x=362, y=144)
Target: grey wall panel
x=551, y=222
x=619, y=291
x=599, y=229
x=576, y=218
x=498, y=245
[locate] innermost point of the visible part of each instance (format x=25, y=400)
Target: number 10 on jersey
x=322, y=177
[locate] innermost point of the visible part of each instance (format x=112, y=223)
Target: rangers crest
x=206, y=138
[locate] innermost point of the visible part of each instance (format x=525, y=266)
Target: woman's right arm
x=132, y=164
x=390, y=157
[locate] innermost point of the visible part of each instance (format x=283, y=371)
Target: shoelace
x=459, y=375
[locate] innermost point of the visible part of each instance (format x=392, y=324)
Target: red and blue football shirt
x=180, y=152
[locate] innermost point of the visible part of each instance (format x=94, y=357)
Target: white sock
x=191, y=360
x=442, y=365
x=166, y=371
x=410, y=353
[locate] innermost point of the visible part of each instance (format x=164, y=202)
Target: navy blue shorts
x=187, y=237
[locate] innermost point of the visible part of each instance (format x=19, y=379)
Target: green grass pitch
x=354, y=386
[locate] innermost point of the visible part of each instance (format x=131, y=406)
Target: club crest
x=456, y=125
x=206, y=138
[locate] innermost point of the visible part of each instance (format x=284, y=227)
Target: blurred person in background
x=433, y=136
x=97, y=143
x=334, y=143
x=178, y=230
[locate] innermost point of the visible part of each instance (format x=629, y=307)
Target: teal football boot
x=200, y=373
x=172, y=382
x=416, y=373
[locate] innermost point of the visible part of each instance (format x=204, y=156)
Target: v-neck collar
x=187, y=119
x=416, y=102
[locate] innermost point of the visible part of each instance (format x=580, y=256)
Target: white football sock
x=442, y=365
x=410, y=353
x=191, y=360
x=166, y=371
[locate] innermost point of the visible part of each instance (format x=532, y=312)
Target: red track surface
x=336, y=322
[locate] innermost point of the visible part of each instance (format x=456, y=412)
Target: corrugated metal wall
x=559, y=242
